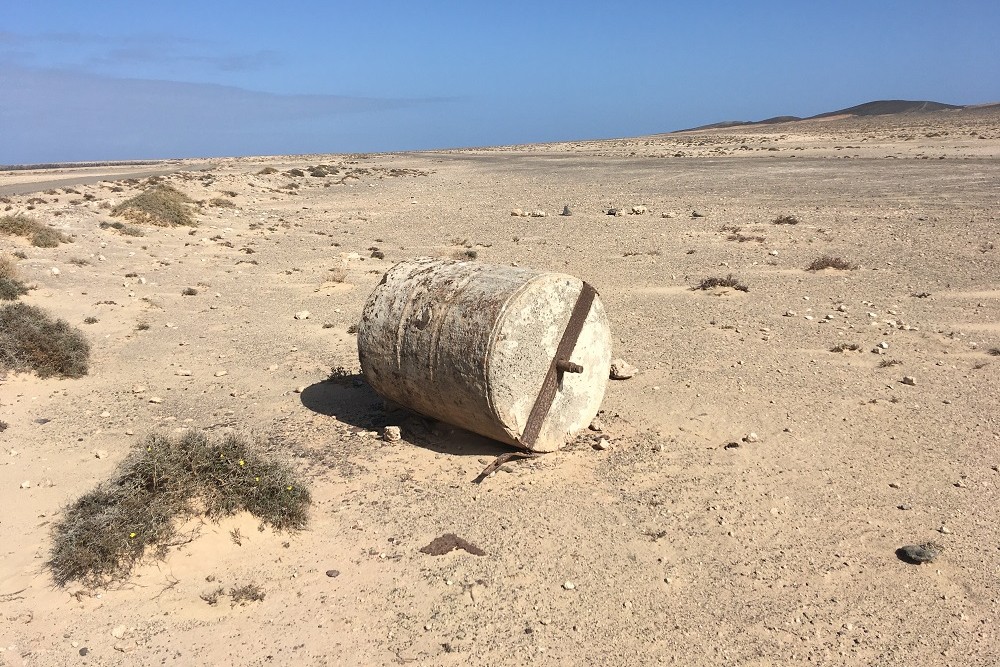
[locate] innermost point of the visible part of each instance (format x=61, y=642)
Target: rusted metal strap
x=500, y=460
x=560, y=363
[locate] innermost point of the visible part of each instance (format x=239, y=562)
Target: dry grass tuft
x=41, y=235
x=785, y=220
x=728, y=281
x=845, y=347
x=829, y=262
x=221, y=202
x=31, y=341
x=11, y=286
x=107, y=531
x=161, y=205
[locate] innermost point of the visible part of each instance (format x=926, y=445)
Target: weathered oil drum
x=516, y=355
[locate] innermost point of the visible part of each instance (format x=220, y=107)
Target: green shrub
x=107, y=531
x=41, y=235
x=31, y=341
x=161, y=205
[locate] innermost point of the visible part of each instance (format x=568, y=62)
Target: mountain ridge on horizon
x=873, y=108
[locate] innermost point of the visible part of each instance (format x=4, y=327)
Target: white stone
x=569, y=585
x=392, y=434
x=622, y=370
x=302, y=315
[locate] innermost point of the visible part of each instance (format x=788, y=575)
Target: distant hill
x=876, y=108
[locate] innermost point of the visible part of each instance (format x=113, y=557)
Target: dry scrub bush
x=31, y=341
x=728, y=281
x=164, y=479
x=829, y=262
x=221, y=202
x=11, y=286
x=127, y=230
x=41, y=235
x=785, y=220
x=267, y=170
x=161, y=205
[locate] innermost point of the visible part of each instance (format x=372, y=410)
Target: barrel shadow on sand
x=352, y=401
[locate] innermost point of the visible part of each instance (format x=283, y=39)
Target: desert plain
x=755, y=485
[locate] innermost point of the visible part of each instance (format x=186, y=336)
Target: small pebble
x=155, y=399
x=751, y=437
x=392, y=434
x=602, y=444
x=333, y=573
x=302, y=315
x=944, y=530
x=622, y=370
x=569, y=585
x=910, y=380
x=596, y=424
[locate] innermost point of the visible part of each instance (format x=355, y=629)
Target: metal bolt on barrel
x=516, y=355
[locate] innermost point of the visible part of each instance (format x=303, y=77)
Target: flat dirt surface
x=687, y=542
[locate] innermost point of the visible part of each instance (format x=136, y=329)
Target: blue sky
x=132, y=80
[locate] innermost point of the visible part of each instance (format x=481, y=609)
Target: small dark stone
x=566, y=210
x=919, y=553
x=378, y=254
x=696, y=214
x=333, y=573
x=84, y=651
x=731, y=445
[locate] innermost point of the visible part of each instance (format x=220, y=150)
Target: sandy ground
x=680, y=550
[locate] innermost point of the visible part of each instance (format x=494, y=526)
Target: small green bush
x=31, y=341
x=161, y=205
x=107, y=531
x=41, y=235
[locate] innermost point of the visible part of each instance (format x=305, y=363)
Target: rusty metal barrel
x=516, y=355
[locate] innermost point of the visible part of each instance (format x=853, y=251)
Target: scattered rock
x=302, y=315
x=100, y=453
x=566, y=210
x=614, y=211
x=696, y=214
x=919, y=553
x=392, y=434
x=569, y=585
x=84, y=651
x=26, y=484
x=842, y=308
x=333, y=574
x=666, y=215
x=55, y=271
x=904, y=507
x=516, y=212
x=219, y=374
x=450, y=542
x=944, y=530
x=596, y=424
x=751, y=437
x=183, y=372
x=155, y=399
x=910, y=380
x=639, y=210
x=790, y=313
x=602, y=444
x=622, y=370
x=773, y=253
x=119, y=631
x=301, y=388
x=537, y=213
